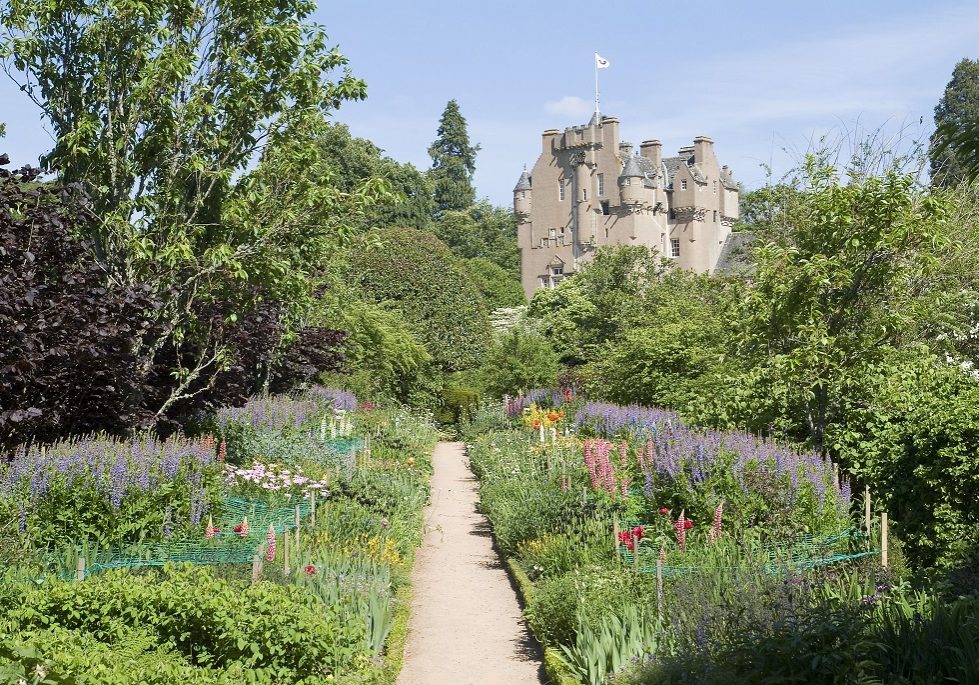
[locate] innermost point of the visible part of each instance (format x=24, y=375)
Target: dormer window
x=683, y=184
x=627, y=181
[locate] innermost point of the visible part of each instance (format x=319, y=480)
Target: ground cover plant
x=754, y=540
x=311, y=603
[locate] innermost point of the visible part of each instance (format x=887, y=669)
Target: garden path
x=466, y=627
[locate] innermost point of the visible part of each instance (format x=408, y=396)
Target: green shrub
x=416, y=274
x=282, y=633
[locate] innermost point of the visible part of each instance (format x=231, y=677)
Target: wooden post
x=883, y=539
x=80, y=569
x=615, y=538
x=635, y=557
x=285, y=552
x=542, y=432
x=256, y=568
x=866, y=511
x=659, y=587
x=312, y=508
x=299, y=521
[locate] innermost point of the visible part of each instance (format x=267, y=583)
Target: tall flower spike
x=270, y=544
x=681, y=531
x=718, y=513
x=209, y=533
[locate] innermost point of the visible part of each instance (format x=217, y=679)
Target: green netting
x=801, y=553
x=225, y=547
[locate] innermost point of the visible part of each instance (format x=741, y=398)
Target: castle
x=587, y=189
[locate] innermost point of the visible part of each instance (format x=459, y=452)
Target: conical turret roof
x=523, y=183
x=632, y=169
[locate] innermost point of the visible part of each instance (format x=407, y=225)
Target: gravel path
x=466, y=627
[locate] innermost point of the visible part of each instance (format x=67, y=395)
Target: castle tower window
x=560, y=191
x=715, y=187
x=674, y=248
x=584, y=194
x=605, y=209
x=683, y=184
x=601, y=184
x=715, y=216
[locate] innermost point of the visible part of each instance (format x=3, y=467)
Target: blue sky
x=761, y=78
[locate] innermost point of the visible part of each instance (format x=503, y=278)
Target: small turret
x=522, y=200
x=631, y=183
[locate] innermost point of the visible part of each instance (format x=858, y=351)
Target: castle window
x=683, y=184
x=627, y=181
x=523, y=194
x=674, y=247
x=715, y=216
x=584, y=194
x=557, y=270
x=601, y=184
x=715, y=187
x=552, y=233
x=560, y=191
x=673, y=214
x=605, y=210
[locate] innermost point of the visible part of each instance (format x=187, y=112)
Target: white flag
x=600, y=62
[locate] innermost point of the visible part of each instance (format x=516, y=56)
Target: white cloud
x=570, y=106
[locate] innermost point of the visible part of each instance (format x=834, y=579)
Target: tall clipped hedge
x=416, y=273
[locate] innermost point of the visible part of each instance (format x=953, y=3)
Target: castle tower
x=522, y=198
x=631, y=184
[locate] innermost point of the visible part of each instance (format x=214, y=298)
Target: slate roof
x=523, y=183
x=673, y=165
x=632, y=169
x=727, y=180
x=735, y=258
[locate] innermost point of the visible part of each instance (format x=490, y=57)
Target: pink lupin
x=270, y=544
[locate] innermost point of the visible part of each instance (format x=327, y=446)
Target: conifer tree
x=453, y=162
x=956, y=114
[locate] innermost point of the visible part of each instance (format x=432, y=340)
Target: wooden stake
x=80, y=569
x=866, y=511
x=659, y=587
x=883, y=539
x=312, y=508
x=256, y=568
x=615, y=538
x=584, y=495
x=285, y=553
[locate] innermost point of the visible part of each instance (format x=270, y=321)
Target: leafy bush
x=282, y=634
x=70, y=336
x=499, y=288
x=416, y=274
x=519, y=360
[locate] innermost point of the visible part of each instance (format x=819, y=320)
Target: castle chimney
x=653, y=151
x=625, y=149
x=703, y=149
x=548, y=139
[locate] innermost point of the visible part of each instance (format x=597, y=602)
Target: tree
x=69, y=334
x=482, y=230
x=453, y=162
x=356, y=160
x=415, y=274
x=953, y=157
x=499, y=289
x=158, y=109
x=521, y=359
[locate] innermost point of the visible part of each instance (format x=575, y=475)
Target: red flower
x=638, y=532
x=664, y=511
x=630, y=545
x=536, y=424
x=688, y=524
x=310, y=570
x=625, y=536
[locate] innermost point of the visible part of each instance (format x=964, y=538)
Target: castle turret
x=522, y=199
x=631, y=183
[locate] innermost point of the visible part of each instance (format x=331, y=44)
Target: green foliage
x=954, y=149
x=278, y=633
x=482, y=230
x=589, y=309
x=159, y=110
x=519, y=360
x=356, y=160
x=415, y=274
x=620, y=638
x=498, y=288
x=458, y=405
x=453, y=162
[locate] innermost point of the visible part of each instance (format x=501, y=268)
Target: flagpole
x=596, y=82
